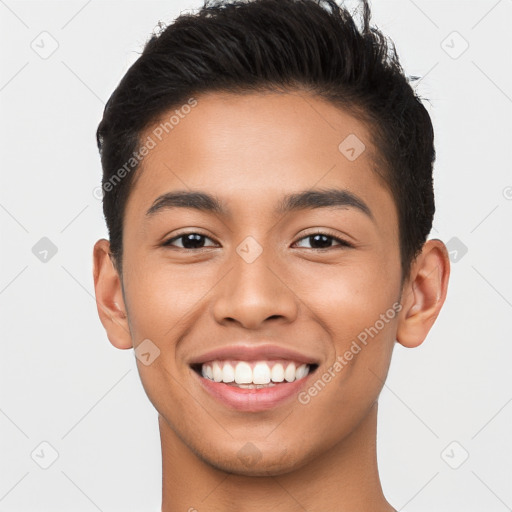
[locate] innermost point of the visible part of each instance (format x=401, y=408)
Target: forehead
x=248, y=149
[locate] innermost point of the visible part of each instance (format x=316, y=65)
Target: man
x=268, y=194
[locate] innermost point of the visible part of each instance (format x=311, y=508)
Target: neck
x=345, y=478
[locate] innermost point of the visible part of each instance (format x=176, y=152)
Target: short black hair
x=240, y=46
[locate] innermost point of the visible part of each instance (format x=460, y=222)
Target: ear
x=109, y=297
x=424, y=293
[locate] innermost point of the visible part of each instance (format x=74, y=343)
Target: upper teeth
x=261, y=372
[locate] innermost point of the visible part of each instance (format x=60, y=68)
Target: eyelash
x=342, y=243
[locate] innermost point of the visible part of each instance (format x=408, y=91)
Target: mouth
x=253, y=374
x=253, y=386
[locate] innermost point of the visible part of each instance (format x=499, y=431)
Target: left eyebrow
x=307, y=199
x=323, y=198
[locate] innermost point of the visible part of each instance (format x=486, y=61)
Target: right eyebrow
x=183, y=199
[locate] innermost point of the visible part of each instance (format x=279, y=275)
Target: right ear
x=109, y=297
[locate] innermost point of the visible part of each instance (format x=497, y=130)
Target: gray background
x=62, y=383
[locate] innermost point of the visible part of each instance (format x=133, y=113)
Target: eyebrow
x=307, y=199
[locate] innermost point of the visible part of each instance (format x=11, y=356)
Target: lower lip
x=252, y=400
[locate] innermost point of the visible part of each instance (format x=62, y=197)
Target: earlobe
x=109, y=297
x=424, y=293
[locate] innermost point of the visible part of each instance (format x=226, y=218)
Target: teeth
x=255, y=386
x=261, y=374
x=243, y=373
x=301, y=371
x=228, y=373
x=289, y=373
x=217, y=372
x=277, y=373
x=253, y=375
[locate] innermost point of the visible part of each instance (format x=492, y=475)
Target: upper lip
x=253, y=353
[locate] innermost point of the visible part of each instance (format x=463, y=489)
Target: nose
x=253, y=293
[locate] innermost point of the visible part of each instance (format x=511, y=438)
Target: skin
x=250, y=150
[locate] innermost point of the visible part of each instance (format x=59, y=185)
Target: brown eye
x=188, y=241
x=323, y=241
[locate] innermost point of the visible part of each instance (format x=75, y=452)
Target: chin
x=249, y=461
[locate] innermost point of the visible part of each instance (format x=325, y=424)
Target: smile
x=253, y=386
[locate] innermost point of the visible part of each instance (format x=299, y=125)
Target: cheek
x=159, y=296
x=348, y=385
x=358, y=309
x=358, y=312
x=350, y=297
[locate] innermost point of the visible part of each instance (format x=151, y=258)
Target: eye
x=189, y=241
x=192, y=240
x=323, y=240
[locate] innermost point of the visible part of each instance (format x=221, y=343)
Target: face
x=313, y=281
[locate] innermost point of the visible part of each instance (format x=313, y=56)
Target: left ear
x=423, y=293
